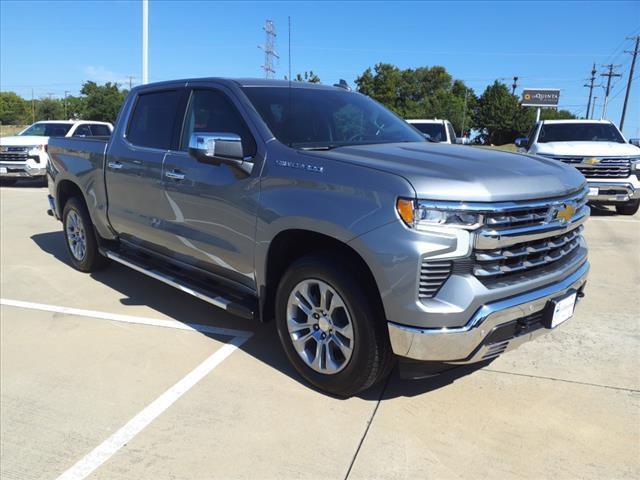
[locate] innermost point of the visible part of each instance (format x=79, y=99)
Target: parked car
x=321, y=209
x=25, y=155
x=440, y=131
x=599, y=151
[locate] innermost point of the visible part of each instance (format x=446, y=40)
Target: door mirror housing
x=635, y=141
x=522, y=142
x=216, y=148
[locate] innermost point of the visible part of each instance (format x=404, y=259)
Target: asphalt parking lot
x=116, y=376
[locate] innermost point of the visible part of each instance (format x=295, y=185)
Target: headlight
x=36, y=149
x=418, y=215
x=635, y=164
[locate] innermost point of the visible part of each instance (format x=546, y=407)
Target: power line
x=610, y=74
x=626, y=96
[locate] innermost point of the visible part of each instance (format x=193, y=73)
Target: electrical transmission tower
x=609, y=75
x=633, y=64
x=591, y=85
x=514, y=85
x=269, y=49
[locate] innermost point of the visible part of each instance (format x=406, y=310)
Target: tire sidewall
x=356, y=375
x=88, y=263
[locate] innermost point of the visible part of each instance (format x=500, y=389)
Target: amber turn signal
x=405, y=209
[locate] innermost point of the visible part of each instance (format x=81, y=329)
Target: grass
x=8, y=130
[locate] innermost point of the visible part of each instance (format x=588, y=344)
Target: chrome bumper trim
x=623, y=192
x=22, y=170
x=457, y=345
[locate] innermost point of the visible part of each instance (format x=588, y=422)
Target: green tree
x=499, y=116
x=309, y=77
x=49, y=109
x=76, y=107
x=102, y=102
x=14, y=110
x=426, y=92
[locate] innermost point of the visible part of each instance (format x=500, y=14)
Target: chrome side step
x=230, y=306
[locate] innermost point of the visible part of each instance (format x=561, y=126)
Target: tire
x=629, y=208
x=5, y=182
x=80, y=238
x=353, y=319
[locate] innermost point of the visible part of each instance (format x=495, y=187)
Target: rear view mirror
x=216, y=148
x=635, y=141
x=522, y=142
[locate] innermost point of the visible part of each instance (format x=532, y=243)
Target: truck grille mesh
x=605, y=167
x=433, y=274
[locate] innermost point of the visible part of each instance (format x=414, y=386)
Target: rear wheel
x=331, y=330
x=80, y=238
x=629, y=208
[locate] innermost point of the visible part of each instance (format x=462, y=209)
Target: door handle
x=114, y=165
x=174, y=175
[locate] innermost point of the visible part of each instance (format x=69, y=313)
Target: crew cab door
x=133, y=170
x=211, y=218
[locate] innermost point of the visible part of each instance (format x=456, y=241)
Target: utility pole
x=464, y=112
x=591, y=85
x=145, y=42
x=609, y=75
x=65, y=104
x=269, y=48
x=130, y=77
x=514, y=85
x=593, y=110
x=633, y=64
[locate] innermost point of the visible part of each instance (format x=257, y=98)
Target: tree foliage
x=14, y=110
x=424, y=92
x=309, y=77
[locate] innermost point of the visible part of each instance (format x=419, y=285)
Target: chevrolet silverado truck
x=25, y=155
x=599, y=151
x=318, y=209
x=440, y=131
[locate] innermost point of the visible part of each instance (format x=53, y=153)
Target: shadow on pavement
x=138, y=289
x=602, y=211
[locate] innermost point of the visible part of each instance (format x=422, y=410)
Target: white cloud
x=101, y=74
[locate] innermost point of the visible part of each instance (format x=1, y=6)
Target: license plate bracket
x=3, y=170
x=594, y=191
x=560, y=309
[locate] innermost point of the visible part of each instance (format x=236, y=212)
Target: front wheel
x=629, y=208
x=80, y=239
x=330, y=328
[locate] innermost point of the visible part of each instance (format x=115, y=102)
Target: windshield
x=579, y=132
x=316, y=118
x=434, y=130
x=48, y=129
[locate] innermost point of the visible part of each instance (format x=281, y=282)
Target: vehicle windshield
x=434, y=130
x=48, y=129
x=579, y=132
x=322, y=119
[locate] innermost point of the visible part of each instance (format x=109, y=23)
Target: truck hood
x=463, y=173
x=19, y=140
x=586, y=149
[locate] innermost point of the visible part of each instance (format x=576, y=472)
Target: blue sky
x=55, y=46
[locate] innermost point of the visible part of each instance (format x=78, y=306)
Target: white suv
x=599, y=151
x=25, y=155
x=438, y=130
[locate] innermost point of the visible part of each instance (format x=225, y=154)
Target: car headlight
x=635, y=164
x=36, y=149
x=419, y=214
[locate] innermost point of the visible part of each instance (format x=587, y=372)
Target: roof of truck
x=244, y=82
x=576, y=120
x=425, y=120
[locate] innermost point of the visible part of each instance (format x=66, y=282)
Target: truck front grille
x=609, y=167
x=526, y=255
x=14, y=154
x=433, y=274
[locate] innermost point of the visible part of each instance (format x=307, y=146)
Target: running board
x=241, y=309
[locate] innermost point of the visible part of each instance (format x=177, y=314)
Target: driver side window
x=211, y=111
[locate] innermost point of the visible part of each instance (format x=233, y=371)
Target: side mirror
x=522, y=142
x=635, y=141
x=427, y=137
x=216, y=148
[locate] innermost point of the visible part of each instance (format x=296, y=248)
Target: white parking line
x=229, y=332
x=89, y=463
x=85, y=466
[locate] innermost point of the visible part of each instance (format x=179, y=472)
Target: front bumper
x=612, y=192
x=494, y=329
x=21, y=170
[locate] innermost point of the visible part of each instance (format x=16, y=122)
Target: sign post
x=540, y=98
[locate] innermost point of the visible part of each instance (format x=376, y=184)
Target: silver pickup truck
x=318, y=208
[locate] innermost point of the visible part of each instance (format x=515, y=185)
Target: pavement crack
x=633, y=390
x=366, y=430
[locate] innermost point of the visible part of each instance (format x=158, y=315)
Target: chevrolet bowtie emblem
x=591, y=161
x=565, y=214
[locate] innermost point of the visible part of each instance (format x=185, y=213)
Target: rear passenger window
x=152, y=121
x=100, y=130
x=82, y=131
